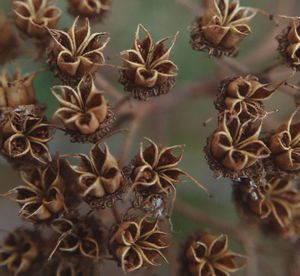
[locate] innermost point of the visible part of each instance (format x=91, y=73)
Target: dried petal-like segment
x=285, y=145
x=24, y=135
x=16, y=89
x=42, y=194
x=221, y=28
x=147, y=69
x=274, y=201
x=206, y=254
x=289, y=44
x=244, y=96
x=78, y=235
x=83, y=112
x=76, y=53
x=100, y=179
x=20, y=251
x=235, y=146
x=9, y=42
x=33, y=17
x=138, y=243
x=93, y=9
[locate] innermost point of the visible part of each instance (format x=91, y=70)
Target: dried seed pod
x=16, y=90
x=76, y=53
x=20, y=252
x=285, y=145
x=42, y=195
x=24, y=134
x=78, y=235
x=243, y=96
x=206, y=254
x=138, y=243
x=99, y=177
x=33, y=17
x=235, y=146
x=9, y=42
x=155, y=169
x=221, y=28
x=83, y=112
x=147, y=70
x=275, y=199
x=289, y=44
x=93, y=9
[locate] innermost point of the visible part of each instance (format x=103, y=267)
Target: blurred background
x=183, y=123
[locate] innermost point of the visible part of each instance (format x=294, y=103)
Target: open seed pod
x=221, y=28
x=285, y=146
x=138, y=243
x=235, y=147
x=205, y=254
x=93, y=9
x=42, y=195
x=244, y=96
x=20, y=252
x=84, y=112
x=33, y=17
x=147, y=69
x=100, y=179
x=24, y=136
x=289, y=44
x=78, y=235
x=9, y=42
x=76, y=53
x=16, y=89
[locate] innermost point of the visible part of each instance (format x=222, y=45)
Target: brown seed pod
x=78, y=235
x=33, y=17
x=289, y=44
x=235, y=147
x=147, y=70
x=20, y=252
x=24, y=136
x=16, y=89
x=76, y=53
x=84, y=112
x=9, y=42
x=42, y=194
x=93, y=9
x=100, y=179
x=243, y=96
x=221, y=28
x=206, y=254
x=138, y=243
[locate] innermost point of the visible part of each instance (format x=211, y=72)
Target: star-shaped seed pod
x=42, y=194
x=93, y=9
x=138, y=243
x=78, y=235
x=9, y=42
x=24, y=136
x=76, y=53
x=83, y=112
x=206, y=254
x=100, y=179
x=221, y=28
x=147, y=69
x=285, y=145
x=19, y=252
x=33, y=17
x=235, y=146
x=289, y=44
x=275, y=200
x=16, y=89
x=155, y=169
x=244, y=96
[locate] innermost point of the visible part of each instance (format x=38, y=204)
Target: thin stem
x=107, y=87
